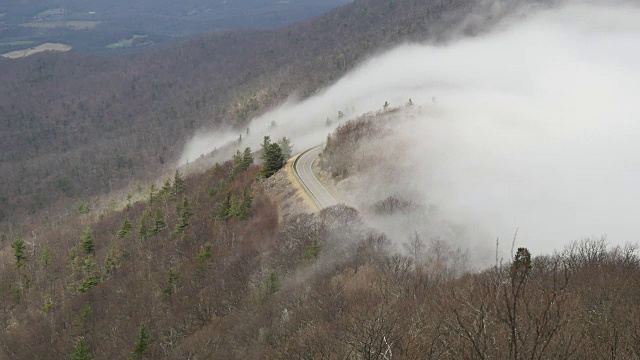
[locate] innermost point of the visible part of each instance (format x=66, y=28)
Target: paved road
x=309, y=180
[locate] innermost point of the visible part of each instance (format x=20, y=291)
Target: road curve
x=303, y=170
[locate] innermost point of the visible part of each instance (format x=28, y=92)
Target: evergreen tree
x=90, y=277
x=216, y=170
x=184, y=213
x=153, y=192
x=237, y=165
x=166, y=192
x=202, y=257
x=274, y=159
x=86, y=241
x=128, y=207
x=124, y=230
x=48, y=303
x=247, y=158
x=143, y=230
x=266, y=143
x=234, y=207
x=225, y=206
x=19, y=252
x=159, y=223
x=81, y=350
x=245, y=208
x=285, y=145
x=45, y=257
x=270, y=285
x=141, y=343
x=171, y=282
x=327, y=146
x=109, y=264
x=386, y=105
x=179, y=186
x=186, y=208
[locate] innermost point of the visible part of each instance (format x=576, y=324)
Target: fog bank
x=534, y=126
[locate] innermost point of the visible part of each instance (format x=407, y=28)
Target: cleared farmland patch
x=34, y=50
x=76, y=25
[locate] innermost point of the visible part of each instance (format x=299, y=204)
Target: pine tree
x=270, y=285
x=225, y=206
x=247, y=158
x=237, y=165
x=141, y=343
x=184, y=213
x=273, y=160
x=171, y=282
x=186, y=208
x=45, y=257
x=109, y=264
x=153, y=192
x=386, y=105
x=202, y=257
x=285, y=145
x=48, y=303
x=81, y=350
x=128, y=207
x=86, y=241
x=327, y=146
x=234, y=207
x=266, y=142
x=245, y=208
x=166, y=192
x=179, y=186
x=216, y=170
x=143, y=230
x=90, y=277
x=19, y=252
x=124, y=230
x=159, y=223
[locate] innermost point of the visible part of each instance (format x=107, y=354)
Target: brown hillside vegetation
x=236, y=284
x=73, y=126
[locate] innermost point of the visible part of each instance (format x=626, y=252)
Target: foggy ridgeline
x=73, y=126
x=203, y=268
x=211, y=265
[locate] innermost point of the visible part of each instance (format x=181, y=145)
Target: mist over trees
x=74, y=126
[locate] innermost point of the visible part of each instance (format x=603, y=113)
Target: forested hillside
x=203, y=269
x=73, y=126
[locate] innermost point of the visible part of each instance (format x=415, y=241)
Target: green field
x=50, y=12
x=125, y=43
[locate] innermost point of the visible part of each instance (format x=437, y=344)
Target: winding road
x=303, y=169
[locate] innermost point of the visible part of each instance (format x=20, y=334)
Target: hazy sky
x=534, y=126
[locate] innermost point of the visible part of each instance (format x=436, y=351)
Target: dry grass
x=34, y=50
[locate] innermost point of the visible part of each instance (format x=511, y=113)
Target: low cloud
x=533, y=126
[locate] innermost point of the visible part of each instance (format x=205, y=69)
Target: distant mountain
x=104, y=26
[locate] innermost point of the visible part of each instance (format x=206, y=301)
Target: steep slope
x=73, y=126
